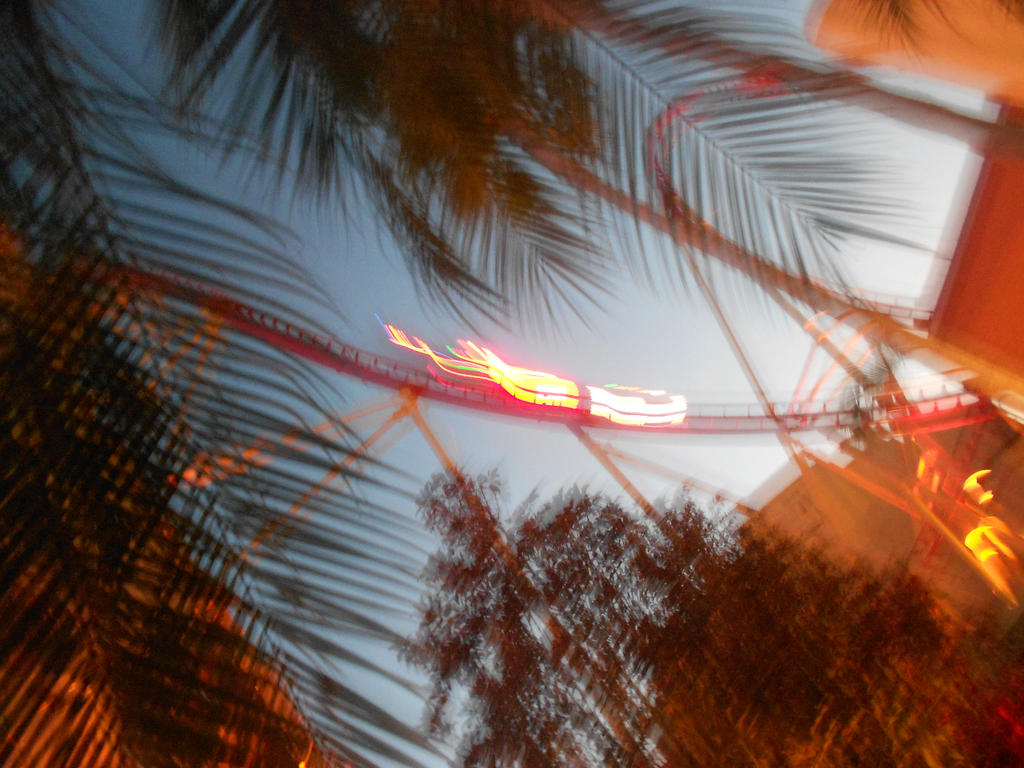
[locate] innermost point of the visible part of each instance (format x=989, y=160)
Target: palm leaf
x=369, y=97
x=113, y=394
x=780, y=172
x=437, y=137
x=125, y=644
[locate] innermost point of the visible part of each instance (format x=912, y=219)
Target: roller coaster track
x=926, y=410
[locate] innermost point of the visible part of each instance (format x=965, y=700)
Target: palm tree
x=157, y=588
x=417, y=100
x=125, y=641
x=478, y=130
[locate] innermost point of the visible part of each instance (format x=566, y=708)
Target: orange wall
x=981, y=306
x=973, y=42
x=976, y=43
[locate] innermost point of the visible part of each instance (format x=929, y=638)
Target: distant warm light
x=973, y=488
x=977, y=541
x=989, y=543
x=987, y=540
x=206, y=470
x=617, y=404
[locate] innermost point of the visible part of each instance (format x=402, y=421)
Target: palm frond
x=411, y=107
x=758, y=37
x=780, y=172
x=160, y=641
x=107, y=467
x=125, y=643
x=324, y=568
x=436, y=142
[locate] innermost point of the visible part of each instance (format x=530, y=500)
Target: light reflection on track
x=927, y=410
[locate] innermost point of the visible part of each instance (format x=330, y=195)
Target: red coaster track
x=924, y=413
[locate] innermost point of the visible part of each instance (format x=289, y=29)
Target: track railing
x=923, y=410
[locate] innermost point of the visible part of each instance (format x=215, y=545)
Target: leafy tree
x=420, y=100
x=487, y=624
x=713, y=648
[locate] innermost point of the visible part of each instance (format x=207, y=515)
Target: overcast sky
x=654, y=339
x=664, y=339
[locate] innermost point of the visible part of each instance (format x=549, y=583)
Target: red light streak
x=617, y=404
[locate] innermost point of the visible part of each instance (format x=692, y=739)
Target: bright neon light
x=638, y=406
x=532, y=386
x=989, y=544
x=989, y=539
x=973, y=488
x=617, y=404
x=977, y=539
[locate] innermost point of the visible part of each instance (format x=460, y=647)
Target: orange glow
x=986, y=540
x=531, y=386
x=989, y=544
x=976, y=541
x=619, y=405
x=209, y=469
x=974, y=43
x=973, y=488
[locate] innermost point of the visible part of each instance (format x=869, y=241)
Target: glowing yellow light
x=986, y=540
x=973, y=488
x=976, y=541
x=620, y=405
x=530, y=386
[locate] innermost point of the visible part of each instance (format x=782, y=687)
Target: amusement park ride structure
x=521, y=393
x=472, y=376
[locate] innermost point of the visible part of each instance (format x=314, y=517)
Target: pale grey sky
x=663, y=340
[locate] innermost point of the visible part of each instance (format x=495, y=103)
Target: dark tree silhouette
x=712, y=647
x=162, y=613
x=123, y=641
